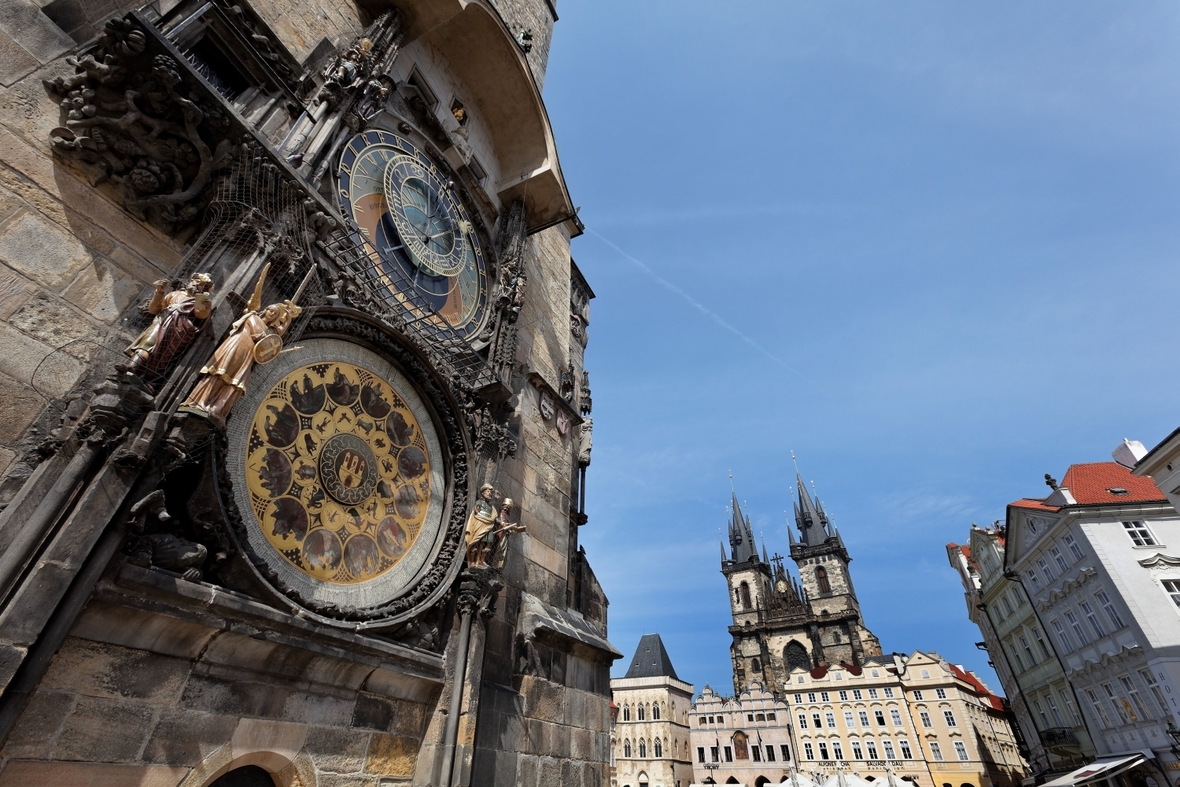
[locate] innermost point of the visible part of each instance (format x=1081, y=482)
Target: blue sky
x=928, y=246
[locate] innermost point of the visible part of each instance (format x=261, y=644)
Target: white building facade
x=651, y=728
x=746, y=738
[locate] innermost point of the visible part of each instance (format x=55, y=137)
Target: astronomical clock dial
x=417, y=234
x=337, y=474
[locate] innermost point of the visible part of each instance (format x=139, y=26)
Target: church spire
x=812, y=521
x=741, y=534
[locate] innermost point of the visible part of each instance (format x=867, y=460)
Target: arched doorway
x=760, y=781
x=249, y=776
x=796, y=657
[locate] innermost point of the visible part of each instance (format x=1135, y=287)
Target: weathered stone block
x=186, y=737
x=14, y=291
x=22, y=773
x=51, y=372
x=341, y=780
x=337, y=750
x=51, y=321
x=34, y=732
x=317, y=709
x=234, y=698
x=374, y=713
x=274, y=743
x=42, y=251
x=19, y=405
x=104, y=290
x=410, y=719
x=15, y=62
x=103, y=730
x=391, y=755
x=23, y=20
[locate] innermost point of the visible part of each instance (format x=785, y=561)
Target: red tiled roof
x=819, y=672
x=1090, y=484
x=980, y=689
x=1037, y=505
x=966, y=550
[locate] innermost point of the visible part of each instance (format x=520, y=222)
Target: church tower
x=750, y=582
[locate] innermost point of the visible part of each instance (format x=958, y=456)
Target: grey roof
x=741, y=535
x=651, y=660
x=810, y=516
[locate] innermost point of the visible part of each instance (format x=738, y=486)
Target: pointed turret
x=765, y=559
x=812, y=525
x=741, y=534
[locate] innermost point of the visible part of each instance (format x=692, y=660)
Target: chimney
x=1129, y=453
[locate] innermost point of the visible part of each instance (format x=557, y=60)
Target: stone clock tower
x=297, y=423
x=782, y=624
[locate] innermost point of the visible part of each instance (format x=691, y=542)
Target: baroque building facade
x=651, y=729
x=295, y=413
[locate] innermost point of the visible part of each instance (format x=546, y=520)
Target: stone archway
x=249, y=776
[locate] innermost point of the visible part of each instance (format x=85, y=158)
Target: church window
x=821, y=579
x=756, y=665
x=906, y=754
x=925, y=717
x=785, y=751
x=639, y=712
x=729, y=754
x=918, y=694
x=950, y=718
x=1140, y=535
x=824, y=696
x=823, y=750
x=802, y=721
x=655, y=710
x=873, y=694
x=864, y=718
x=857, y=754
x=844, y=695
x=857, y=694
x=895, y=717
x=888, y=692
x=700, y=753
x=830, y=718
x=879, y=715
x=872, y=747
x=811, y=696
x=658, y=748
x=744, y=592
x=769, y=753
x=936, y=751
x=808, y=752
x=626, y=713
x=961, y=750
x=889, y=753
x=1111, y=612
x=849, y=721
x=626, y=748
x=1058, y=558
x=1074, y=549
x=816, y=721
x=940, y=693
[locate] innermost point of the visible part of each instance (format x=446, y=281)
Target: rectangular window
x=798, y=699
x=1078, y=631
x=1058, y=558
x=925, y=717
x=872, y=747
x=823, y=696
x=1046, y=572
x=713, y=752
x=1062, y=637
x=889, y=753
x=895, y=717
x=770, y=754
x=1173, y=589
x=808, y=752
x=1035, y=580
x=950, y=719
x=749, y=717
x=1098, y=709
x=816, y=721
x=875, y=673
x=1007, y=605
x=1016, y=657
x=1027, y=650
x=1091, y=618
x=1053, y=709
x=823, y=751
x=830, y=718
x=961, y=750
x=936, y=751
x=837, y=750
x=1133, y=694
x=700, y=753
x=888, y=692
x=729, y=754
x=872, y=694
x=1154, y=688
x=1041, y=713
x=864, y=718
x=811, y=696
x=1139, y=533
x=771, y=717
x=844, y=695
x=906, y=754
x=849, y=721
x=1041, y=642
x=756, y=752
x=857, y=754
x=856, y=695
x=800, y=679
x=917, y=695
x=1117, y=702
x=940, y=693
x=879, y=715
x=1108, y=608
x=1074, y=549
x=785, y=751
x=839, y=675
x=802, y=721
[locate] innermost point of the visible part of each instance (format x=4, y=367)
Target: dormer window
x=1117, y=490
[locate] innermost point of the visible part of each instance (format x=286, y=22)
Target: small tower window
x=643, y=749
x=655, y=714
x=744, y=595
x=626, y=714
x=659, y=748
x=821, y=579
x=756, y=665
x=639, y=712
x=626, y=748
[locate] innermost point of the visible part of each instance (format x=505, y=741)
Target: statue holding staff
x=178, y=316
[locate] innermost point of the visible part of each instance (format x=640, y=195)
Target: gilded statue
x=178, y=316
x=486, y=527
x=256, y=337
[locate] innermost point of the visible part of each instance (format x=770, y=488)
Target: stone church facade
x=295, y=417
x=780, y=623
